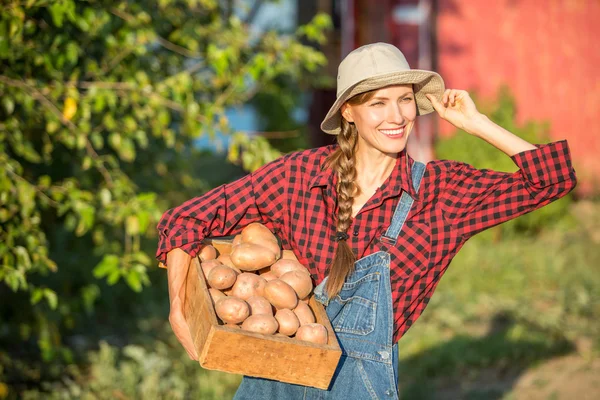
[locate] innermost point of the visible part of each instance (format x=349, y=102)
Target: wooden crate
x=236, y=351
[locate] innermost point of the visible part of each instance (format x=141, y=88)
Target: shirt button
x=355, y=233
x=384, y=354
x=389, y=392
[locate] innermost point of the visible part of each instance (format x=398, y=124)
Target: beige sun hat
x=375, y=66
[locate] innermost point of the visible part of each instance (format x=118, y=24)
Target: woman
x=376, y=229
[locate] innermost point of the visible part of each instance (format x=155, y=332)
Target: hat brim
x=424, y=82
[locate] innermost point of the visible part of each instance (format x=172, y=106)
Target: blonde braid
x=342, y=161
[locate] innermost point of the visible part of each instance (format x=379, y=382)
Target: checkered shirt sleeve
x=474, y=200
x=225, y=210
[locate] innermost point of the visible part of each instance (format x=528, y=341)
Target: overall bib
x=362, y=317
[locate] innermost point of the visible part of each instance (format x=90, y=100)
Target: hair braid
x=342, y=161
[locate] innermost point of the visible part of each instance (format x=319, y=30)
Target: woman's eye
x=408, y=99
x=376, y=104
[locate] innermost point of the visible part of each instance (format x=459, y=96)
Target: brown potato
x=256, y=232
x=208, y=252
x=208, y=265
x=225, y=260
x=221, y=277
x=237, y=239
x=280, y=294
x=248, y=285
x=232, y=310
x=251, y=257
x=273, y=246
x=216, y=295
x=283, y=265
x=288, y=321
x=268, y=276
x=304, y=313
x=315, y=333
x=299, y=281
x=259, y=305
x=261, y=323
x=288, y=255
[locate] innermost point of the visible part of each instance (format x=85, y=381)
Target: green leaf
x=36, y=295
x=51, y=298
x=108, y=265
x=23, y=258
x=133, y=280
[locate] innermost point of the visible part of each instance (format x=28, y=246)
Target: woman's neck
x=373, y=168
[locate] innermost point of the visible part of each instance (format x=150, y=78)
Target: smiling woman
x=376, y=229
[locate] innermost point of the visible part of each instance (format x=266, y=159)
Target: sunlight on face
x=385, y=121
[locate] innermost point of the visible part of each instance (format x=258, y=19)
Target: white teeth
x=392, y=132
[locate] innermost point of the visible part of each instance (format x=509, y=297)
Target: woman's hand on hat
x=456, y=107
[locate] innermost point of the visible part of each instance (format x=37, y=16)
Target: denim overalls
x=362, y=318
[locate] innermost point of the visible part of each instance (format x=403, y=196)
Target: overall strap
x=404, y=206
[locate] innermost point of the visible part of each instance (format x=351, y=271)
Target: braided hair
x=343, y=162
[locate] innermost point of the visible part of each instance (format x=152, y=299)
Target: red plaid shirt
x=295, y=197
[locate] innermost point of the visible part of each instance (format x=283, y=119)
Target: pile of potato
x=254, y=289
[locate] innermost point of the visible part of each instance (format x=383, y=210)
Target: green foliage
x=480, y=154
x=138, y=373
x=101, y=104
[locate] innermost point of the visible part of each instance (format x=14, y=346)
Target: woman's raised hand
x=456, y=107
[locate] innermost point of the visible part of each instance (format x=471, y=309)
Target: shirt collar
x=399, y=180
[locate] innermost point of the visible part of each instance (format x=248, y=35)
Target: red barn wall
x=546, y=51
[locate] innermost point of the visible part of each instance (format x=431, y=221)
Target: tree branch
x=12, y=173
x=36, y=94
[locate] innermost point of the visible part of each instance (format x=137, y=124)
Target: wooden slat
x=198, y=309
x=282, y=359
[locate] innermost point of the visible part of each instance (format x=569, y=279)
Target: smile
x=393, y=132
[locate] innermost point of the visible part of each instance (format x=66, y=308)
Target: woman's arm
x=222, y=211
x=473, y=200
x=225, y=210
x=458, y=108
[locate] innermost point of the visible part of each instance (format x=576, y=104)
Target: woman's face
x=385, y=121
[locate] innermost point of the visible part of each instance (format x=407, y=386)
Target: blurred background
x=111, y=112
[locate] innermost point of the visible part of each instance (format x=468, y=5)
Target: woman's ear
x=347, y=113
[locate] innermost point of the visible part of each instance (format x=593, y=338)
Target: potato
x=221, y=277
x=225, y=260
x=261, y=323
x=299, y=281
x=259, y=305
x=232, y=310
x=288, y=322
x=273, y=246
x=268, y=276
x=315, y=333
x=283, y=265
x=216, y=295
x=288, y=255
x=248, y=285
x=251, y=257
x=208, y=265
x=280, y=294
x=237, y=239
x=257, y=232
x=304, y=313
x=208, y=252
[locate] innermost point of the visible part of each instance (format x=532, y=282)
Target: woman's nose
x=395, y=114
